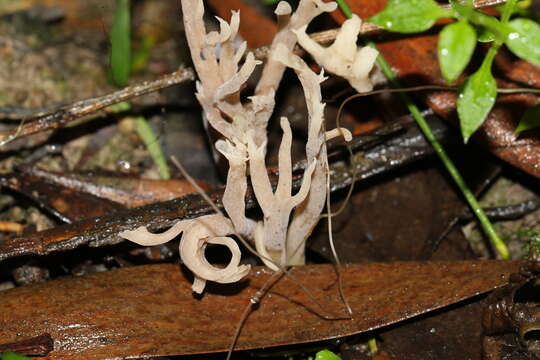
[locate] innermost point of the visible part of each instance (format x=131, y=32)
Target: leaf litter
x=329, y=277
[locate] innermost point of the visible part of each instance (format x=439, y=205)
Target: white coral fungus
x=343, y=58
x=288, y=219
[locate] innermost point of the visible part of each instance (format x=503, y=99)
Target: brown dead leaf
x=251, y=19
x=150, y=310
x=128, y=191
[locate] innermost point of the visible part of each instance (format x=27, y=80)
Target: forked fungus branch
x=288, y=219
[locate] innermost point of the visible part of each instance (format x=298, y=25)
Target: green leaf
x=326, y=355
x=463, y=9
x=9, y=355
x=530, y=119
x=120, y=44
x=524, y=40
x=409, y=16
x=456, y=46
x=485, y=35
x=488, y=23
x=475, y=100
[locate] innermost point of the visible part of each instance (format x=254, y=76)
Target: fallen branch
x=375, y=159
x=77, y=110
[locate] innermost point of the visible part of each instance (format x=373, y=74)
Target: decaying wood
x=399, y=151
x=150, y=310
x=66, y=114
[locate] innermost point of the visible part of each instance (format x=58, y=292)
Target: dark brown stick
x=399, y=151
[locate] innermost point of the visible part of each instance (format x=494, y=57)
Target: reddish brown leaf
x=367, y=8
x=150, y=310
x=362, y=8
x=250, y=19
x=130, y=192
x=497, y=132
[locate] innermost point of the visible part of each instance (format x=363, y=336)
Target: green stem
x=490, y=55
x=345, y=9
x=487, y=226
x=372, y=345
x=507, y=10
x=149, y=139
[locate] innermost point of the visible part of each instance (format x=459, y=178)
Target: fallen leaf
x=151, y=311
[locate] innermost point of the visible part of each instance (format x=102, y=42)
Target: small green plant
x=531, y=119
x=120, y=55
x=149, y=138
x=532, y=246
x=121, y=66
x=326, y=355
x=487, y=226
x=457, y=42
x=9, y=355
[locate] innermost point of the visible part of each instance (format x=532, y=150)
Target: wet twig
x=510, y=212
x=406, y=147
x=432, y=245
x=77, y=110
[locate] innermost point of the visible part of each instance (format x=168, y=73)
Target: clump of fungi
x=288, y=219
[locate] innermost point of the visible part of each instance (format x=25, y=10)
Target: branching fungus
x=288, y=219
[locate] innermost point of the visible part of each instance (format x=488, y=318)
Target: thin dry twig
x=256, y=298
x=21, y=113
x=85, y=107
x=253, y=301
